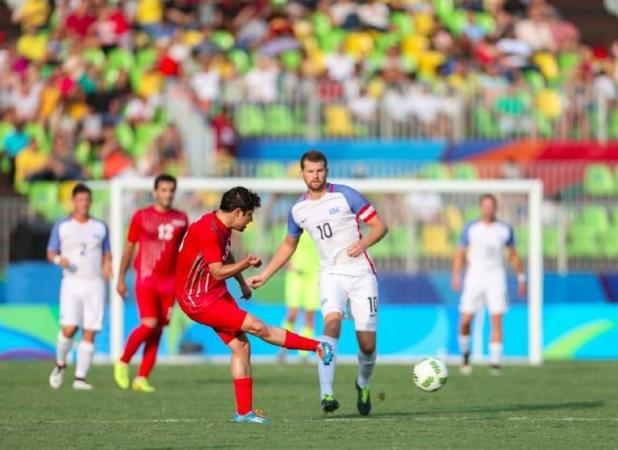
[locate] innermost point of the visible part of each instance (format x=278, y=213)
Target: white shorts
x=489, y=291
x=362, y=293
x=82, y=303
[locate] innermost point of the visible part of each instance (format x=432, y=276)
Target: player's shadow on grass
x=480, y=409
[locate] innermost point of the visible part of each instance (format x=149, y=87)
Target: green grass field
x=559, y=405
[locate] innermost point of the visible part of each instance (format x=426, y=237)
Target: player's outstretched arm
x=458, y=262
x=377, y=230
x=223, y=271
x=125, y=262
x=518, y=267
x=281, y=256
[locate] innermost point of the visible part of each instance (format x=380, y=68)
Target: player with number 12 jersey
x=158, y=231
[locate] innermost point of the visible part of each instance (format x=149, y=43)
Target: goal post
x=399, y=200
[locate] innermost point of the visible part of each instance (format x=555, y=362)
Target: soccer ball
x=430, y=374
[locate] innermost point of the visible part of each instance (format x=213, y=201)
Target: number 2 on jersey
x=166, y=231
x=325, y=231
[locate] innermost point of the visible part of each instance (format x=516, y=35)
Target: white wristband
x=521, y=277
x=56, y=259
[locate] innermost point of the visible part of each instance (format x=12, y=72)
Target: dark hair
x=313, y=156
x=164, y=178
x=81, y=188
x=239, y=197
x=488, y=196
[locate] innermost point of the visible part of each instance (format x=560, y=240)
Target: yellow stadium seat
x=547, y=64
x=424, y=23
x=358, y=45
x=435, y=240
x=429, y=62
x=549, y=103
x=414, y=46
x=338, y=121
x=454, y=218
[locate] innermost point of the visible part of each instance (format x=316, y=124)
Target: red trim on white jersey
x=366, y=213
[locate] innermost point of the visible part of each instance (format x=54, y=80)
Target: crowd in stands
x=81, y=88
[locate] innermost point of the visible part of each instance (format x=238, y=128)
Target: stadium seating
x=599, y=180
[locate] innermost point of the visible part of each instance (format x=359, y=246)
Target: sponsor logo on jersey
x=334, y=210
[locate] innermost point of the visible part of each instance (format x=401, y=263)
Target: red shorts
x=224, y=316
x=155, y=298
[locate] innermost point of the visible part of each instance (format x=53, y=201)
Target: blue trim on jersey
x=105, y=245
x=510, y=241
x=354, y=198
x=464, y=240
x=53, y=245
x=293, y=228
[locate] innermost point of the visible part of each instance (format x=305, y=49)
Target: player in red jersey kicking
x=157, y=230
x=204, y=263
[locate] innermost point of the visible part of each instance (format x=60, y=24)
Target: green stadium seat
x=125, y=135
x=486, y=21
x=279, y=121
x=240, y=59
x=250, y=120
x=270, y=169
x=485, y=123
x=582, y=241
x=596, y=217
x=94, y=56
x=37, y=132
x=332, y=40
x=471, y=213
x=551, y=243
x=100, y=203
x=223, y=39
x=614, y=216
x=385, y=41
x=120, y=58
x=522, y=240
x=456, y=21
x=464, y=171
x=321, y=24
x=291, y=59
x=43, y=199
x=598, y=180
x=402, y=23
x=534, y=79
x=435, y=172
x=609, y=242
x=443, y=6
x=612, y=124
x=145, y=135
x=146, y=57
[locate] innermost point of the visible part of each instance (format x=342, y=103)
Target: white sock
x=63, y=347
x=366, y=364
x=464, y=343
x=84, y=358
x=495, y=353
x=327, y=373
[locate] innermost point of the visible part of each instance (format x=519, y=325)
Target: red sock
x=294, y=341
x=137, y=336
x=150, y=353
x=243, y=389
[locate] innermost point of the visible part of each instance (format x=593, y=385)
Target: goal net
x=418, y=309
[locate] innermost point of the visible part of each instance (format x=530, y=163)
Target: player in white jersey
x=331, y=214
x=482, y=245
x=79, y=244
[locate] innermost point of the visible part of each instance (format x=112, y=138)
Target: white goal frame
x=533, y=189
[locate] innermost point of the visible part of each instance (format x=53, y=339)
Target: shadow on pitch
x=480, y=409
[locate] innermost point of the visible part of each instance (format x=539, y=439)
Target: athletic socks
x=243, y=391
x=327, y=373
x=137, y=336
x=495, y=353
x=63, y=347
x=150, y=352
x=294, y=341
x=366, y=363
x=84, y=359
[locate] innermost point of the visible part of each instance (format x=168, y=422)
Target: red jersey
x=207, y=241
x=158, y=235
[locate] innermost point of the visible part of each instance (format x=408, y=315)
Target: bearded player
x=204, y=263
x=156, y=231
x=331, y=214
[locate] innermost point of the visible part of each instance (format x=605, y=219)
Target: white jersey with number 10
x=333, y=221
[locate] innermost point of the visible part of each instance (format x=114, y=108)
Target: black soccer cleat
x=363, y=403
x=329, y=404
